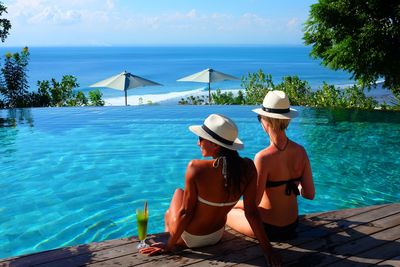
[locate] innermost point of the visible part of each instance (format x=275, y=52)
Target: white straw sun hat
x=276, y=105
x=219, y=130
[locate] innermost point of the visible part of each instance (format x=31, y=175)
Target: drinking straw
x=145, y=208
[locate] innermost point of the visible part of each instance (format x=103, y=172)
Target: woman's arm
x=185, y=213
x=306, y=186
x=254, y=219
x=261, y=177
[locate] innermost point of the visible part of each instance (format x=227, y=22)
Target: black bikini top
x=290, y=185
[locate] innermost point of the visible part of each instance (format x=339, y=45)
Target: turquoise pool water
x=76, y=175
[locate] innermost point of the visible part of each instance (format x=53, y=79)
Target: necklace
x=284, y=147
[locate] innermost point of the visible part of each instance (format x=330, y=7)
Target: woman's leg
x=172, y=212
x=237, y=221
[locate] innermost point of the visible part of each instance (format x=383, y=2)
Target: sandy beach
x=165, y=99
x=379, y=94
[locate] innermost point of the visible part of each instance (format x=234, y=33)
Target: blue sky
x=157, y=22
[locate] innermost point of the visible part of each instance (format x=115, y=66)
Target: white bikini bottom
x=195, y=241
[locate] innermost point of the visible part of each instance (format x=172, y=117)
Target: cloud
x=56, y=16
x=293, y=23
x=89, y=20
x=55, y=12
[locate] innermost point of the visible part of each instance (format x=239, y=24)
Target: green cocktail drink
x=142, y=216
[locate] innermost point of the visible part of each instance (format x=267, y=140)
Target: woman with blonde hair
x=284, y=172
x=197, y=215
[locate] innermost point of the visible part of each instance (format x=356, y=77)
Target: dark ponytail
x=234, y=169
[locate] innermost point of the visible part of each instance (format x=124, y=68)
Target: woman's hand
x=154, y=249
x=273, y=259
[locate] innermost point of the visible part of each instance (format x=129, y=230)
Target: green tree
x=228, y=98
x=5, y=24
x=14, y=79
x=95, y=98
x=77, y=100
x=59, y=94
x=298, y=91
x=256, y=86
x=361, y=37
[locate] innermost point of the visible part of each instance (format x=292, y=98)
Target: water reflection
x=12, y=117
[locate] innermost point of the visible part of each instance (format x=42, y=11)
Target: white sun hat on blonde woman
x=220, y=130
x=276, y=105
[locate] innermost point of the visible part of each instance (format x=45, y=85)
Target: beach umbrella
x=124, y=81
x=208, y=76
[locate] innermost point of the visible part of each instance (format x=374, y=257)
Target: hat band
x=276, y=110
x=216, y=136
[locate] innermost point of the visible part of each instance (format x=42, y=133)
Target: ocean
x=167, y=64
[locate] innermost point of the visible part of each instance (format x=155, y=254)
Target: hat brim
x=198, y=130
x=284, y=116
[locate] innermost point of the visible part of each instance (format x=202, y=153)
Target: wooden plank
x=391, y=262
x=322, y=231
x=341, y=238
x=370, y=233
x=372, y=256
x=188, y=256
x=130, y=259
x=67, y=252
x=82, y=253
x=102, y=254
x=361, y=245
x=323, y=237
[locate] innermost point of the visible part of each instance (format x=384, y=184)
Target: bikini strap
x=202, y=200
x=290, y=185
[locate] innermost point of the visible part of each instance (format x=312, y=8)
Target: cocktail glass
x=142, y=216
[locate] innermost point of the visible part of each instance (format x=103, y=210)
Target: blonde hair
x=277, y=124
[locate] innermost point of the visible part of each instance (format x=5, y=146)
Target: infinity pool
x=76, y=175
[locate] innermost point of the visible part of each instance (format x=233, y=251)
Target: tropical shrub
x=256, y=86
x=328, y=96
x=14, y=82
x=298, y=91
x=193, y=100
x=227, y=98
x=61, y=94
x=95, y=98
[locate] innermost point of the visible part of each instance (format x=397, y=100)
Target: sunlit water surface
x=76, y=175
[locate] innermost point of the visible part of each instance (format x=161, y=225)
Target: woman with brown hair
x=197, y=215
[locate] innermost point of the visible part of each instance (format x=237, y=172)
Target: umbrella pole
x=126, y=98
x=209, y=94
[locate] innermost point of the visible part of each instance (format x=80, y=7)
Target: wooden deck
x=353, y=237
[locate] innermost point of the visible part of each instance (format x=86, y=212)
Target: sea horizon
x=165, y=64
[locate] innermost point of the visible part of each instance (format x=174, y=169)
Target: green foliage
x=227, y=98
x=356, y=98
x=59, y=94
x=14, y=82
x=192, y=100
x=77, y=100
x=361, y=37
x=256, y=86
x=328, y=96
x=95, y=98
x=5, y=24
x=298, y=91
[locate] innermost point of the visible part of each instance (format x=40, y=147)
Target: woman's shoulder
x=298, y=147
x=198, y=165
